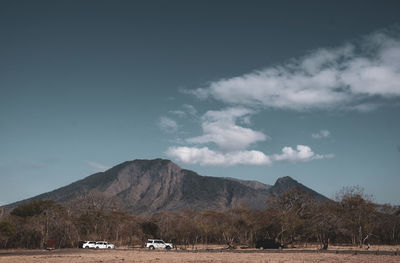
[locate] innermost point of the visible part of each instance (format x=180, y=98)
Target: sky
x=254, y=90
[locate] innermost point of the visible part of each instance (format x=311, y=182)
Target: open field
x=141, y=255
x=299, y=246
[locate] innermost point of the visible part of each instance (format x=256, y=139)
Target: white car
x=158, y=243
x=104, y=245
x=87, y=244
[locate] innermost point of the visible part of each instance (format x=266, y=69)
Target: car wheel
x=87, y=247
x=167, y=247
x=151, y=247
x=97, y=247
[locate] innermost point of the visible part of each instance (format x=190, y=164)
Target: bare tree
x=358, y=214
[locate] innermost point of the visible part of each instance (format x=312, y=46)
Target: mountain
x=148, y=186
x=286, y=183
x=252, y=184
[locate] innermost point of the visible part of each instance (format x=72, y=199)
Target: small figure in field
x=325, y=245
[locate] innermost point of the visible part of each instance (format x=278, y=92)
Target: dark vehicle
x=268, y=244
x=50, y=244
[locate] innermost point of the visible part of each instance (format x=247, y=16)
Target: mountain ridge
x=149, y=186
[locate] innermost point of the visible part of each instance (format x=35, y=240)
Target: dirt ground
x=124, y=255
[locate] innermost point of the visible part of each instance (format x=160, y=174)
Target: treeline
x=291, y=218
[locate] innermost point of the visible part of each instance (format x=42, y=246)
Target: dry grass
x=348, y=247
x=76, y=255
x=297, y=247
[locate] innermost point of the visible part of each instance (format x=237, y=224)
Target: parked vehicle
x=157, y=244
x=268, y=244
x=50, y=244
x=87, y=244
x=104, y=245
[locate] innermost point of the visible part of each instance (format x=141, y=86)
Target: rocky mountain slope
x=148, y=186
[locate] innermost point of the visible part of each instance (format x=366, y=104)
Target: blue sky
x=253, y=90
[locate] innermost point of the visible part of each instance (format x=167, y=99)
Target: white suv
x=87, y=244
x=104, y=245
x=158, y=243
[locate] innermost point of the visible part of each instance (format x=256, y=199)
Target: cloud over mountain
x=302, y=153
x=221, y=128
x=356, y=76
x=205, y=156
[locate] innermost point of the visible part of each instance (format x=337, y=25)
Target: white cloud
x=168, y=125
x=329, y=78
x=321, y=134
x=302, y=153
x=205, y=156
x=359, y=76
x=220, y=127
x=98, y=166
x=187, y=110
